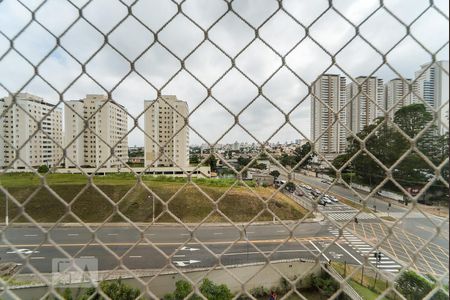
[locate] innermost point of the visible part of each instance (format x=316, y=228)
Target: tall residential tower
x=329, y=98
x=431, y=86
x=167, y=143
x=367, y=101
x=89, y=144
x=39, y=143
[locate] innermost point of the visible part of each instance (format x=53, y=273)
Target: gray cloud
x=208, y=63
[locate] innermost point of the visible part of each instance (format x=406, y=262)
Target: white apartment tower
x=106, y=127
x=431, y=85
x=398, y=94
x=18, y=126
x=329, y=97
x=367, y=97
x=165, y=124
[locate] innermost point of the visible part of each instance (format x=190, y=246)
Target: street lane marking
x=256, y=241
x=217, y=233
x=319, y=250
x=73, y=234
x=29, y=235
x=87, y=256
x=135, y=256
x=179, y=255
x=349, y=253
x=185, y=234
x=37, y=257
x=113, y=234
x=281, y=231
x=268, y=252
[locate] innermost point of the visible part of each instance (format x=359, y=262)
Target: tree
x=303, y=152
x=412, y=118
x=183, y=288
x=213, y=291
x=43, y=169
x=243, y=161
x=194, y=159
x=212, y=162
x=290, y=186
x=413, y=286
x=275, y=174
x=115, y=290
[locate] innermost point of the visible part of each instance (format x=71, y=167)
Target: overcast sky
x=157, y=66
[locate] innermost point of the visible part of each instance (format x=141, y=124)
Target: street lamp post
x=6, y=211
x=153, y=207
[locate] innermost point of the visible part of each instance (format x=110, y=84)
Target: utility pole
x=6, y=210
x=153, y=207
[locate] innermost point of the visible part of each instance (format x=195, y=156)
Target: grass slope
x=184, y=200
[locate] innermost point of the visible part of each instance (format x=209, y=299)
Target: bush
x=259, y=292
x=43, y=169
x=116, y=290
x=325, y=284
x=208, y=288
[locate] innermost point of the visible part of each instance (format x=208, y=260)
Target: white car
x=332, y=198
x=327, y=200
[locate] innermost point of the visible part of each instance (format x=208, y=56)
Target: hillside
x=187, y=201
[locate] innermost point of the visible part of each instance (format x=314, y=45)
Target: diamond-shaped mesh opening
x=224, y=149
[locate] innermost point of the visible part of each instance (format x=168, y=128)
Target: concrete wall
x=165, y=283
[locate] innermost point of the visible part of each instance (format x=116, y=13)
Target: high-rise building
x=32, y=126
x=329, y=98
x=89, y=144
x=167, y=143
x=366, y=100
x=431, y=86
x=398, y=94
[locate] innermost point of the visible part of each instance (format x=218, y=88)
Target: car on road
x=327, y=200
x=332, y=198
x=299, y=192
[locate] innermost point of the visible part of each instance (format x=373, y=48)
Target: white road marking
x=179, y=255
x=281, y=231
x=185, y=263
x=73, y=234
x=349, y=253
x=189, y=249
x=185, y=234
x=314, y=245
x=113, y=234
x=37, y=257
x=87, y=256
x=217, y=233
x=135, y=256
x=267, y=252
x=28, y=235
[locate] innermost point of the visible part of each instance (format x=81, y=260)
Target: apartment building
x=431, y=86
x=167, y=143
x=367, y=101
x=398, y=94
x=32, y=126
x=94, y=127
x=329, y=98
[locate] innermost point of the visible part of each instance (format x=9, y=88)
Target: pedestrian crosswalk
x=349, y=215
x=382, y=262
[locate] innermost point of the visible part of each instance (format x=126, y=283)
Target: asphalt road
x=415, y=222
x=164, y=245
